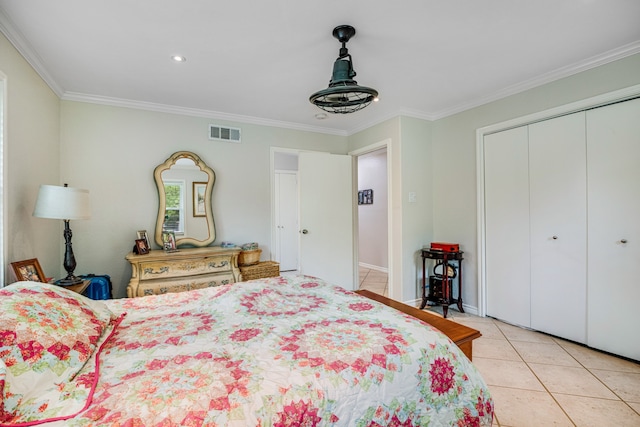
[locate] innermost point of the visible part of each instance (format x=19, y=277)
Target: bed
x=284, y=351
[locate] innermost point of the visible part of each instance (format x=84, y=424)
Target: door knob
x=555, y=237
x=623, y=241
x=305, y=231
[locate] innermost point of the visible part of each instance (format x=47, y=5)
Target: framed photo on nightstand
x=29, y=270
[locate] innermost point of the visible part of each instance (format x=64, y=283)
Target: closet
x=562, y=240
x=613, y=163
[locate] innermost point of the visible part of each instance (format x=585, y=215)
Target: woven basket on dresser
x=260, y=270
x=249, y=257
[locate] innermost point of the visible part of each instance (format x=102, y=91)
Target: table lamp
x=65, y=203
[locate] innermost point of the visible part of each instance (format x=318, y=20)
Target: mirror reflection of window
x=175, y=202
x=190, y=226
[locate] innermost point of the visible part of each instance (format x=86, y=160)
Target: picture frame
x=169, y=241
x=198, y=196
x=142, y=234
x=365, y=197
x=29, y=270
x=142, y=247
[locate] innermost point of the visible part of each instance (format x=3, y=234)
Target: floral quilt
x=285, y=351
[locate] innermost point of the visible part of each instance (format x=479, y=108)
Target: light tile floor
x=538, y=380
x=375, y=281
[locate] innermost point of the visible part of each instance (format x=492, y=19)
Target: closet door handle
x=623, y=241
x=555, y=237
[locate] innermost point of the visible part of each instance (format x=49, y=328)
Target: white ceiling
x=259, y=60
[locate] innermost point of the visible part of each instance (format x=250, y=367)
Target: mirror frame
x=162, y=202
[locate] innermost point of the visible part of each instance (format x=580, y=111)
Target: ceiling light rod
x=343, y=95
x=343, y=33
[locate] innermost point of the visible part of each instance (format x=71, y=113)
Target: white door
x=326, y=217
x=558, y=221
x=286, y=206
x=507, y=259
x=613, y=154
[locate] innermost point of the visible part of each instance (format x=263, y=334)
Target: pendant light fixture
x=343, y=95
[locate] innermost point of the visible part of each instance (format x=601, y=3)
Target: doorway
x=285, y=160
x=325, y=230
x=373, y=220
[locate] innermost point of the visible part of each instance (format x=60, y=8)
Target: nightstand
x=79, y=288
x=440, y=285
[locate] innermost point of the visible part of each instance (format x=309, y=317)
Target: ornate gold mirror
x=185, y=184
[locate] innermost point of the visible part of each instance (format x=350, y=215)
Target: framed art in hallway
x=365, y=197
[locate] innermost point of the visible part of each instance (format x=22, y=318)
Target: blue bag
x=100, y=286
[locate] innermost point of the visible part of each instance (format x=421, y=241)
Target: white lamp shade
x=57, y=202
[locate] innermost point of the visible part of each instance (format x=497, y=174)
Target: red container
x=445, y=247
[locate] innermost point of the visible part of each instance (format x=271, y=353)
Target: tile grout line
x=535, y=375
x=603, y=383
x=555, y=341
x=496, y=323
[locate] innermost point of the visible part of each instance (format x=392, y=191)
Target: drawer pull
x=212, y=264
x=150, y=270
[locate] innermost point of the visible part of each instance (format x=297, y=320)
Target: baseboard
x=373, y=267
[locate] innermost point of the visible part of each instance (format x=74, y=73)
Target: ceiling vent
x=222, y=133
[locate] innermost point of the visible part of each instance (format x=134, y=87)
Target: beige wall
x=388, y=131
x=437, y=161
x=417, y=217
x=408, y=157
x=32, y=158
x=112, y=151
x=454, y=151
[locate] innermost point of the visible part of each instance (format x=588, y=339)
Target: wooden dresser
x=159, y=272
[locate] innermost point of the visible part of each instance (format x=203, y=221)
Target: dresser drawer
x=179, y=268
x=160, y=272
x=157, y=287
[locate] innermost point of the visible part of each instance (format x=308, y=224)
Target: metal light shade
x=64, y=203
x=343, y=95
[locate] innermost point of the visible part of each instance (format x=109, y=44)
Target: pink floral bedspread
x=291, y=351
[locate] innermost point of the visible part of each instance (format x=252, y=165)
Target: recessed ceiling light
x=178, y=58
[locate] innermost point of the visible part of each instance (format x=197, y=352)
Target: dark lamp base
x=69, y=281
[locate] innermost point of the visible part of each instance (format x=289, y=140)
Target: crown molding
x=16, y=38
x=589, y=63
x=25, y=49
x=194, y=112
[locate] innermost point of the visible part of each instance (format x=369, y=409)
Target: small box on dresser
x=160, y=272
x=260, y=270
